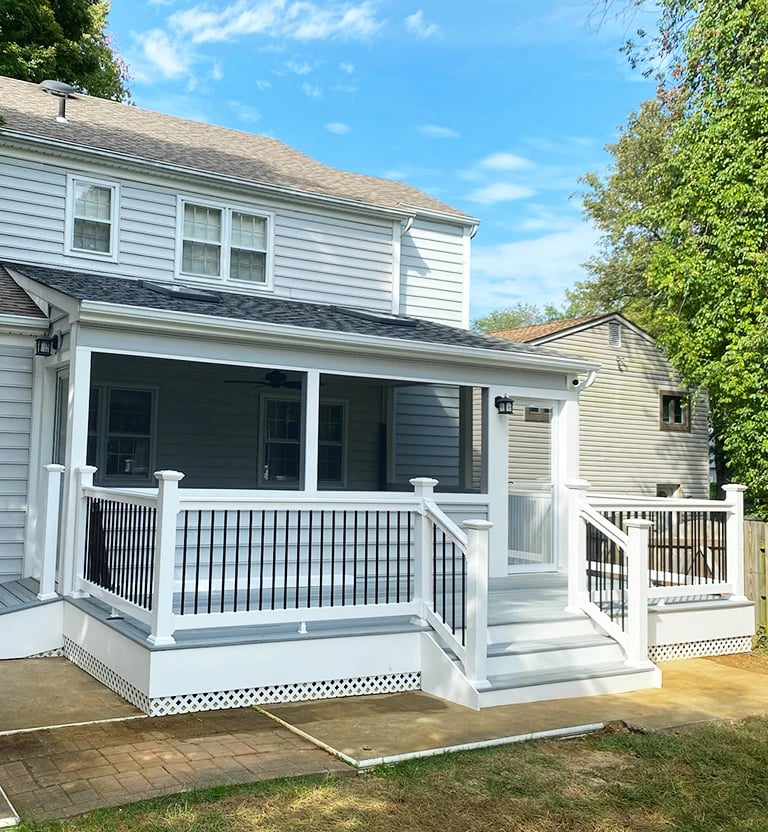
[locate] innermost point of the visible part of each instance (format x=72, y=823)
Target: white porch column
x=77, y=446
x=734, y=537
x=311, y=429
x=565, y=469
x=84, y=480
x=498, y=483
x=50, y=532
x=576, y=544
x=424, y=488
x=477, y=602
x=637, y=591
x=161, y=628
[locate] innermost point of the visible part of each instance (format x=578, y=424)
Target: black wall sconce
x=504, y=405
x=47, y=345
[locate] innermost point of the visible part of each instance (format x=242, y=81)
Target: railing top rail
x=145, y=497
x=451, y=530
x=605, y=526
x=616, y=502
x=296, y=505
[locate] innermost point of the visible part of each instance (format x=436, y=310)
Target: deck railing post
x=577, y=546
x=161, y=628
x=734, y=537
x=50, y=533
x=85, y=477
x=477, y=602
x=424, y=489
x=638, y=532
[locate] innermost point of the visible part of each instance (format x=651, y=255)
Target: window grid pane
x=201, y=258
x=249, y=232
x=93, y=202
x=247, y=265
x=91, y=236
x=202, y=223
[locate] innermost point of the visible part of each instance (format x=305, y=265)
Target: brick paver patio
x=59, y=772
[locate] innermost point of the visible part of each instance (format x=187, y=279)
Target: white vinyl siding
x=15, y=418
x=529, y=450
x=433, y=272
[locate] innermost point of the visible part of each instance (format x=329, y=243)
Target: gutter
x=58, y=146
x=113, y=316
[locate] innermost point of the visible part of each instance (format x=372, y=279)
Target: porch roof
x=270, y=310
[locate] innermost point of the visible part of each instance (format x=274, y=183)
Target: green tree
x=521, y=314
x=64, y=40
x=694, y=240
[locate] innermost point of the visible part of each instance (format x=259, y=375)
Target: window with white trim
x=330, y=451
x=121, y=434
x=92, y=226
x=281, y=442
x=224, y=243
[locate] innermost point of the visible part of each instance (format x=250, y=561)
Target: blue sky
x=494, y=106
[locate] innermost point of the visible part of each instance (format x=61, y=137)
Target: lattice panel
x=697, y=649
x=49, y=654
x=91, y=665
x=298, y=692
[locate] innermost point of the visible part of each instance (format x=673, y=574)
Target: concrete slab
x=42, y=693
x=370, y=729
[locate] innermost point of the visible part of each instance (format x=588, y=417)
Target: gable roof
x=552, y=330
x=15, y=301
x=271, y=310
x=131, y=132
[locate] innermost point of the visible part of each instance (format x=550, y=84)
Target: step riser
x=549, y=659
x=571, y=689
x=531, y=630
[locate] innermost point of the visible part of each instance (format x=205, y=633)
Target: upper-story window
x=92, y=218
x=220, y=242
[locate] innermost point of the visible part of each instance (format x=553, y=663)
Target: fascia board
x=22, y=324
x=113, y=316
x=141, y=162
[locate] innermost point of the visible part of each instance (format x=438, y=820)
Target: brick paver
x=60, y=772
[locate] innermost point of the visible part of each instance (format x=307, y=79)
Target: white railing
x=627, y=551
x=186, y=559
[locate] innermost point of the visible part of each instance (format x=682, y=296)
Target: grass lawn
x=713, y=777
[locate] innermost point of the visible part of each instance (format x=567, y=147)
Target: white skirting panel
x=31, y=632
x=686, y=631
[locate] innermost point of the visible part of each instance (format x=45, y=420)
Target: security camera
x=574, y=382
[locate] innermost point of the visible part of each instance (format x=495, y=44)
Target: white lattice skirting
x=242, y=698
x=57, y=653
x=697, y=649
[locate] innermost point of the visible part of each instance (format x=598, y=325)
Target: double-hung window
x=92, y=218
x=224, y=243
x=330, y=459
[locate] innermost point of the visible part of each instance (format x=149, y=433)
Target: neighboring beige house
x=641, y=431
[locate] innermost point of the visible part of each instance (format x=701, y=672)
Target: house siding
x=320, y=255
x=529, y=450
x=622, y=448
x=15, y=423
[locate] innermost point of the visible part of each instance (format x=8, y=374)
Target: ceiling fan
x=274, y=379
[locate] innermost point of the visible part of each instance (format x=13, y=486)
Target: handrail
x=612, y=532
x=605, y=502
x=447, y=525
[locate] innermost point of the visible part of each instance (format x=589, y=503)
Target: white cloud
x=415, y=24
x=311, y=90
x=217, y=73
x=244, y=112
x=499, y=192
x=435, y=131
x=537, y=270
x=348, y=68
x=337, y=127
x=261, y=85
x=157, y=53
x=303, y=68
x=298, y=19
x=505, y=161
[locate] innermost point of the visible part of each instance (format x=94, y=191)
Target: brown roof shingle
x=14, y=300
x=524, y=334
x=99, y=124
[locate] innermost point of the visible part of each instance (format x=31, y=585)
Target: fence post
x=477, y=602
x=577, y=546
x=638, y=532
x=70, y=573
x=424, y=489
x=161, y=628
x=734, y=537
x=50, y=533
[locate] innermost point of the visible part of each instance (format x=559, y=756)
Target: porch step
x=524, y=623
x=568, y=683
x=566, y=652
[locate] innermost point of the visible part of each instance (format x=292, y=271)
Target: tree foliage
x=521, y=314
x=64, y=40
x=684, y=214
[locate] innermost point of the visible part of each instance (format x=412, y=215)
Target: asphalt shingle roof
x=266, y=309
x=523, y=334
x=98, y=124
x=15, y=301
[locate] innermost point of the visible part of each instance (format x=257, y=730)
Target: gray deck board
x=20, y=594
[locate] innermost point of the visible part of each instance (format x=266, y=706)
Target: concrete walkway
x=50, y=772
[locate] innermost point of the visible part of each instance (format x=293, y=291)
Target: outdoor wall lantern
x=46, y=345
x=504, y=405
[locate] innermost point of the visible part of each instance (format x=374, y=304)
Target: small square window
x=92, y=218
x=538, y=414
x=674, y=411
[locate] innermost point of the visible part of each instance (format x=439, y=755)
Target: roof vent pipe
x=62, y=91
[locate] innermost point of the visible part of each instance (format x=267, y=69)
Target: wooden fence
x=755, y=563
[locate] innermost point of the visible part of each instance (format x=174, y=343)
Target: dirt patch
x=743, y=661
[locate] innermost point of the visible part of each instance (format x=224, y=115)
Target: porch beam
x=311, y=429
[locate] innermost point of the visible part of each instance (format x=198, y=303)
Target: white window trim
x=226, y=208
x=102, y=433
x=287, y=396
x=69, y=221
